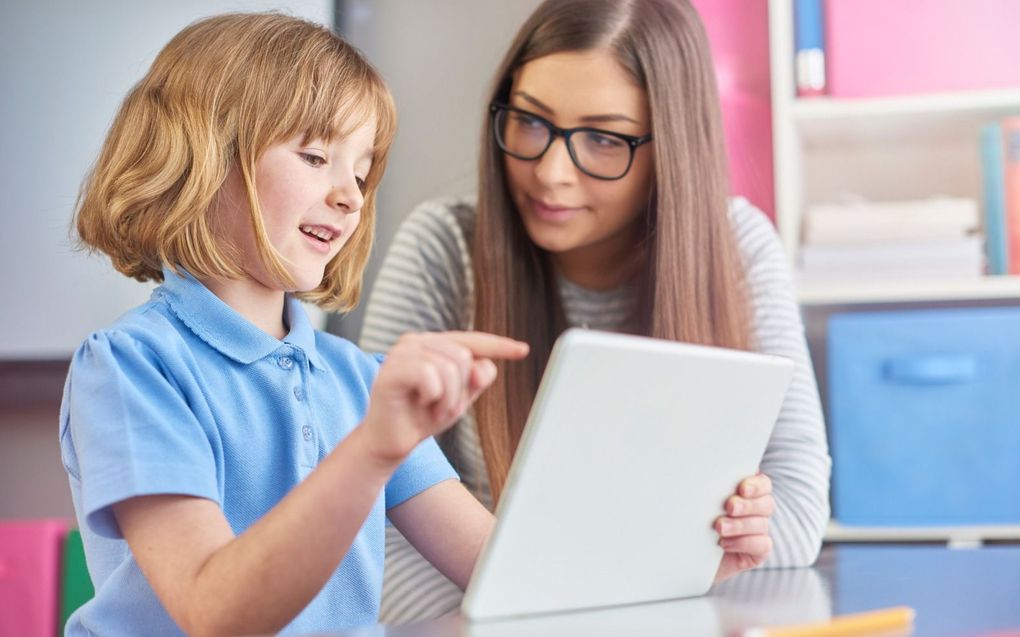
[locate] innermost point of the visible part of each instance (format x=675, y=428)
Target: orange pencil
x=886, y=620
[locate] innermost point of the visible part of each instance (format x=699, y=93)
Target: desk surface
x=956, y=593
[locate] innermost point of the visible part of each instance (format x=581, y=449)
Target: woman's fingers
x=734, y=527
x=755, y=486
x=737, y=506
x=757, y=546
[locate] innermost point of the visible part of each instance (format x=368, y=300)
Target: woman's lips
x=553, y=212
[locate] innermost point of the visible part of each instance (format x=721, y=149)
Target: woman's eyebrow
x=590, y=119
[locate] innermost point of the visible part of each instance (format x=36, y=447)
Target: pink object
x=739, y=34
x=30, y=576
x=881, y=47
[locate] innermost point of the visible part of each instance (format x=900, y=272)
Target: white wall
x=65, y=65
x=438, y=57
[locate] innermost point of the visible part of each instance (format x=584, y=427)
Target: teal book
x=993, y=176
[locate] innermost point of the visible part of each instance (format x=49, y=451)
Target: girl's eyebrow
x=593, y=119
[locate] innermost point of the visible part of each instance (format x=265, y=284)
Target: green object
x=75, y=584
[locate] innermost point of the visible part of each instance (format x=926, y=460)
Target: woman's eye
x=527, y=121
x=313, y=160
x=605, y=141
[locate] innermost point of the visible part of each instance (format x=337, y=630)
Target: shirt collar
x=225, y=329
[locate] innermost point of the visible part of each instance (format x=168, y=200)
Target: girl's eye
x=362, y=184
x=313, y=160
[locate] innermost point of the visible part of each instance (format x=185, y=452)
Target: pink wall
x=739, y=32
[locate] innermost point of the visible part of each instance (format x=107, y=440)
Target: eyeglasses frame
x=633, y=142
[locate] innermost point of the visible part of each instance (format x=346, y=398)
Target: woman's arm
x=796, y=459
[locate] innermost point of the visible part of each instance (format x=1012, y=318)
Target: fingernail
x=749, y=491
x=725, y=528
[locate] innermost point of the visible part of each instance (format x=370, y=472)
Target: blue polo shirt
x=183, y=395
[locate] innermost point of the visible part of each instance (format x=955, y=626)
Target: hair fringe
x=218, y=95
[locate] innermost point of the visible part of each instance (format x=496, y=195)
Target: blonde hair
x=691, y=279
x=218, y=95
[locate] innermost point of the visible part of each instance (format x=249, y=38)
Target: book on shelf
x=1011, y=186
x=993, y=182
x=936, y=218
x=946, y=258
x=809, y=47
x=893, y=240
x=1000, y=172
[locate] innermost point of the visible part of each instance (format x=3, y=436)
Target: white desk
x=956, y=593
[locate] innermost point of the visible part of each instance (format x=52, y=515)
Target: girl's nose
x=346, y=196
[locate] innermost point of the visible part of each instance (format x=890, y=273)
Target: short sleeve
x=127, y=430
x=424, y=468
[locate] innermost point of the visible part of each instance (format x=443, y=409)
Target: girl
x=229, y=468
x=602, y=203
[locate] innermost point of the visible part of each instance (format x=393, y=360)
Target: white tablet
x=631, y=448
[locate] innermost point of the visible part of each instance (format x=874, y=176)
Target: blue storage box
x=924, y=417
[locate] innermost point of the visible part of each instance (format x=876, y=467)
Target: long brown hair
x=218, y=95
x=691, y=279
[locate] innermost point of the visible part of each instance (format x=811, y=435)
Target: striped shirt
x=426, y=284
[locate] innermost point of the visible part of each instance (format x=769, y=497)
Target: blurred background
x=883, y=139
x=66, y=66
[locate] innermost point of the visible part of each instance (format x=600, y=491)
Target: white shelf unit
x=890, y=148
x=904, y=147
x=910, y=291
x=953, y=535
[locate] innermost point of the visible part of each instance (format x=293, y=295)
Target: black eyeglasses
x=597, y=153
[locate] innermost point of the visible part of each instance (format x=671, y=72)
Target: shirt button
x=286, y=362
x=306, y=433
x=299, y=393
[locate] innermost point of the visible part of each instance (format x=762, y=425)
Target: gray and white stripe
x=426, y=285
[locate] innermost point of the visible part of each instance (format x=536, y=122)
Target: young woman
x=602, y=203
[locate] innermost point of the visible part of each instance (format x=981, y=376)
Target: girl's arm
x=448, y=526
x=212, y=582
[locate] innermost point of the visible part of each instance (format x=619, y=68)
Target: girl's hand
x=744, y=530
x=427, y=382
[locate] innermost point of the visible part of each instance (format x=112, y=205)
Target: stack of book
x=897, y=240
x=1000, y=167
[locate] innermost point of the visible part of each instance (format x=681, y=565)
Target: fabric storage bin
x=924, y=417
x=29, y=576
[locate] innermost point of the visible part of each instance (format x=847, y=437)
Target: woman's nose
x=556, y=165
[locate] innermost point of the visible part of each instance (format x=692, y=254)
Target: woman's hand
x=427, y=382
x=744, y=530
